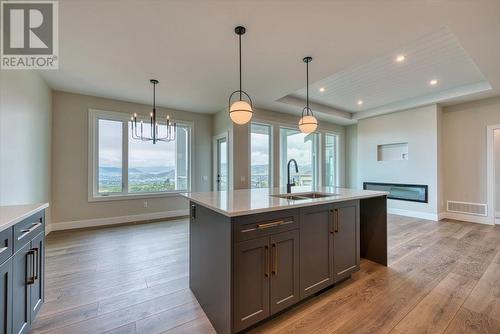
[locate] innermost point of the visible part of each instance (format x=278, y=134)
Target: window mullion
x=125, y=157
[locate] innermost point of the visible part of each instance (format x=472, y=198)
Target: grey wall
x=351, y=156
x=464, y=149
x=25, y=137
x=497, y=173
x=417, y=127
x=70, y=154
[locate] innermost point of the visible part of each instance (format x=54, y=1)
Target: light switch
x=204, y=178
x=242, y=179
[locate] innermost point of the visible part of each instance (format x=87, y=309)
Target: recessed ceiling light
x=433, y=82
x=360, y=102
x=400, y=58
x=322, y=89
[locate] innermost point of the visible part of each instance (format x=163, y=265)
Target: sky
x=141, y=153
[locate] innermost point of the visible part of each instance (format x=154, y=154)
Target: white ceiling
x=384, y=82
x=111, y=48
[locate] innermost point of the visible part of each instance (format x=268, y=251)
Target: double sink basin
x=304, y=196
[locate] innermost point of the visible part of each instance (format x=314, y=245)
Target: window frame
x=94, y=115
x=316, y=156
x=336, y=155
x=271, y=152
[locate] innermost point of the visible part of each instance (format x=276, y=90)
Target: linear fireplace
x=400, y=191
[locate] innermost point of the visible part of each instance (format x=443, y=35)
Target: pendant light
x=307, y=123
x=240, y=110
x=153, y=124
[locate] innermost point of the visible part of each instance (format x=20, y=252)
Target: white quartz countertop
x=234, y=203
x=13, y=214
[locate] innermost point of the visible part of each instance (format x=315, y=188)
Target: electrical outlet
x=242, y=179
x=145, y=204
x=204, y=178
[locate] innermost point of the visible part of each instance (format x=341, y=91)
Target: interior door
x=221, y=178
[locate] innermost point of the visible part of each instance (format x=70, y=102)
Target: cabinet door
x=251, y=287
x=6, y=297
x=316, y=249
x=284, y=270
x=346, y=239
x=37, y=288
x=22, y=275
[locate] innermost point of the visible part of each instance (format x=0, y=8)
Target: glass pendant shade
x=308, y=124
x=240, y=112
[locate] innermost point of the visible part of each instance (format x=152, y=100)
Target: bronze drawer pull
x=274, y=224
x=28, y=231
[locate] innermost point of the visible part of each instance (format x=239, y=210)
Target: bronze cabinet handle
x=266, y=261
x=36, y=267
x=29, y=267
x=336, y=220
x=332, y=222
x=275, y=260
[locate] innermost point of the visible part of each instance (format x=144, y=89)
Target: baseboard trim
x=414, y=214
x=70, y=225
x=466, y=218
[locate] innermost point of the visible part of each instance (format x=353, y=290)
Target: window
x=122, y=166
x=110, y=156
x=303, y=148
x=330, y=160
x=260, y=155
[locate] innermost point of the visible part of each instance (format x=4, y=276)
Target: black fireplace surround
x=400, y=191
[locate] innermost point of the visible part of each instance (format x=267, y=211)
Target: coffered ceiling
x=111, y=48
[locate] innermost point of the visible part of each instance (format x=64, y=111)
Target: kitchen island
x=256, y=252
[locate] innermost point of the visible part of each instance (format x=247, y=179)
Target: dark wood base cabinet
x=245, y=269
x=22, y=275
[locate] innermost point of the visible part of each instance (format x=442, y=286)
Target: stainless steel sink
x=303, y=196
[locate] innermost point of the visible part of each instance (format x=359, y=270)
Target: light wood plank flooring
x=443, y=278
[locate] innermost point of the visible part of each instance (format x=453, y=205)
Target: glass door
x=221, y=177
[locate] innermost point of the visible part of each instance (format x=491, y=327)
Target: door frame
x=215, y=157
x=490, y=172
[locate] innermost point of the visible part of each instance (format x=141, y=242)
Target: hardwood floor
x=442, y=278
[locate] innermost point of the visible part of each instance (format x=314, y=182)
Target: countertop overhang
x=13, y=214
x=233, y=203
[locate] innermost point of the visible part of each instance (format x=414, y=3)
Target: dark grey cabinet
x=22, y=266
x=251, y=282
x=22, y=274
x=346, y=248
x=316, y=249
x=266, y=277
x=37, y=287
x=6, y=297
x=284, y=282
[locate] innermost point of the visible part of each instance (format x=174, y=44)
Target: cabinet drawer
x=27, y=229
x=262, y=224
x=6, y=247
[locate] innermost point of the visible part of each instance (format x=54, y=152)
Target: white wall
x=419, y=128
x=25, y=137
x=70, y=154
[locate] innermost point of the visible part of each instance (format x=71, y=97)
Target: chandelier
x=155, y=135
